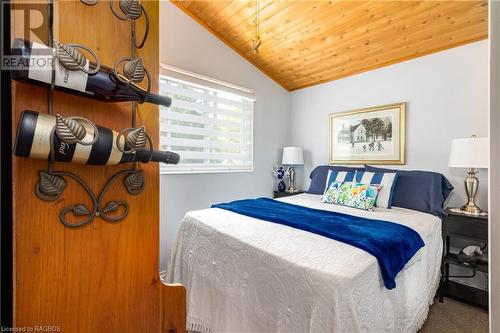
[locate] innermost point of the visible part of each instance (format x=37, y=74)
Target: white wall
x=447, y=95
x=494, y=221
x=187, y=45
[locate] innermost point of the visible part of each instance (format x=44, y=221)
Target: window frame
x=197, y=80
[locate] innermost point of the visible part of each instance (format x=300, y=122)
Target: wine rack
x=51, y=183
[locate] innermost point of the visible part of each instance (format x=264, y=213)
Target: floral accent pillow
x=352, y=194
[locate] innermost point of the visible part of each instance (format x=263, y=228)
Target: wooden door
x=102, y=277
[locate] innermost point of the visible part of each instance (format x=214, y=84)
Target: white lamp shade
x=469, y=153
x=293, y=156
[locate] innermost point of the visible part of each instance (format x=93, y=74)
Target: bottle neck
x=158, y=99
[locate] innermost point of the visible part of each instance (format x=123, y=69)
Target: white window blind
x=209, y=124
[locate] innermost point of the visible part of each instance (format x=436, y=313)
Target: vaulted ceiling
x=309, y=42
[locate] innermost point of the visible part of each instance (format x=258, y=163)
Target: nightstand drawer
x=466, y=226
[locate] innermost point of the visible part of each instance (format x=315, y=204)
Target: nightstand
x=285, y=194
x=463, y=228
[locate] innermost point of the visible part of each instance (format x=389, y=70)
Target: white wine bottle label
x=115, y=155
x=40, y=148
x=40, y=69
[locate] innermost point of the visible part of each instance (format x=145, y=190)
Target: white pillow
x=386, y=179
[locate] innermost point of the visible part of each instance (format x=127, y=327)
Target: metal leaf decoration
x=69, y=130
x=111, y=206
x=51, y=185
x=131, y=8
x=136, y=139
x=134, y=183
x=134, y=70
x=80, y=210
x=89, y=2
x=69, y=57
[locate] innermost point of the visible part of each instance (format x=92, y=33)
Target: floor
x=455, y=317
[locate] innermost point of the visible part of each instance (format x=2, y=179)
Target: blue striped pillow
x=386, y=179
x=338, y=176
x=319, y=174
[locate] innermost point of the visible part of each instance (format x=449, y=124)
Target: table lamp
x=470, y=153
x=292, y=156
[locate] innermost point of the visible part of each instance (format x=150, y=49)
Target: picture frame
x=374, y=135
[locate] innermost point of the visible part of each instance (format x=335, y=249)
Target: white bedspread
x=247, y=275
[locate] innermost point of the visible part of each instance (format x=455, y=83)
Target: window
x=209, y=124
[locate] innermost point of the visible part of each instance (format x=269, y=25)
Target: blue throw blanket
x=392, y=244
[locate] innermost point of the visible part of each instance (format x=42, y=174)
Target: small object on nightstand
x=472, y=250
x=285, y=194
x=281, y=186
x=292, y=156
x=281, y=173
x=471, y=229
x=470, y=153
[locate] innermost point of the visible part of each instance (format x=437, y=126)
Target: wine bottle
x=33, y=141
x=34, y=64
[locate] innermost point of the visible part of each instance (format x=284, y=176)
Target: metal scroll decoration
x=136, y=140
x=71, y=58
x=130, y=10
x=134, y=72
x=90, y=2
x=71, y=130
x=51, y=184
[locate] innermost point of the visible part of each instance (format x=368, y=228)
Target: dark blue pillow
x=319, y=174
x=424, y=191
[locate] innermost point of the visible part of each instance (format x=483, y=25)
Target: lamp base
x=469, y=209
x=471, y=188
x=292, y=188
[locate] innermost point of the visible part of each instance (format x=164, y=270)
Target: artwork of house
x=358, y=133
x=366, y=135
x=352, y=133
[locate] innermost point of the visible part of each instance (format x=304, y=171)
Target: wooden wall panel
x=102, y=277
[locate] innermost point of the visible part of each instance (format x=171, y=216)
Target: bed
x=248, y=275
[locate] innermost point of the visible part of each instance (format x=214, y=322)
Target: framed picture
x=368, y=136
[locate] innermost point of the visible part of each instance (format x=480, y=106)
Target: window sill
x=185, y=172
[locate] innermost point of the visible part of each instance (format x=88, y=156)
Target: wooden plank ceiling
x=309, y=42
